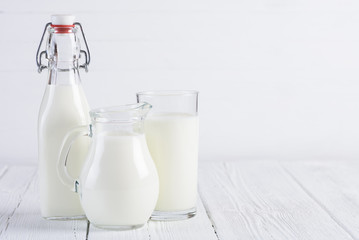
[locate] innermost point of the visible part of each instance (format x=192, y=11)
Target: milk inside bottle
x=63, y=107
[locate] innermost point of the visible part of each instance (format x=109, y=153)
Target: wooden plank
x=3, y=170
x=14, y=182
x=334, y=186
x=24, y=220
x=259, y=200
x=199, y=227
x=195, y=228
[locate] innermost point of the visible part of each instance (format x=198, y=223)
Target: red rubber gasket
x=63, y=28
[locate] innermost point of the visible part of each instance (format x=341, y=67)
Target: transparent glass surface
x=172, y=132
x=119, y=183
x=64, y=106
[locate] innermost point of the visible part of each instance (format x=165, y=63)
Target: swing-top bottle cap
x=62, y=19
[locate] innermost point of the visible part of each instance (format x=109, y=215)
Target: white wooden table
x=238, y=200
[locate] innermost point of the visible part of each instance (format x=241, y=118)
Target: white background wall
x=278, y=79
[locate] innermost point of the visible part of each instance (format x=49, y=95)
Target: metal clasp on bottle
x=40, y=54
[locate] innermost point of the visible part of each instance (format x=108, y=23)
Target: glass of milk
x=118, y=185
x=172, y=133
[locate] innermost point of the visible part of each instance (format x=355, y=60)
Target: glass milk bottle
x=64, y=106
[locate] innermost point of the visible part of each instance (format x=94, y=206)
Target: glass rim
x=167, y=93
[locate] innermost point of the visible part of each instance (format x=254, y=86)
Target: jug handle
x=69, y=139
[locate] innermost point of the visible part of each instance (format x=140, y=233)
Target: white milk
x=119, y=182
x=173, y=143
x=63, y=108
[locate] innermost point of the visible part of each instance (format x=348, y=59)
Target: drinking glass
x=172, y=132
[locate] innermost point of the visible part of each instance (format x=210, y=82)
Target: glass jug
x=118, y=185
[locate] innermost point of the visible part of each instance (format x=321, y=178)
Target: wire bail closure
x=39, y=55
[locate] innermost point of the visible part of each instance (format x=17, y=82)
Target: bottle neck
x=64, y=73
x=63, y=50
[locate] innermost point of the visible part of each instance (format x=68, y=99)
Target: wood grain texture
x=3, y=170
x=259, y=200
x=242, y=200
x=26, y=221
x=14, y=182
x=334, y=186
x=23, y=220
x=197, y=228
